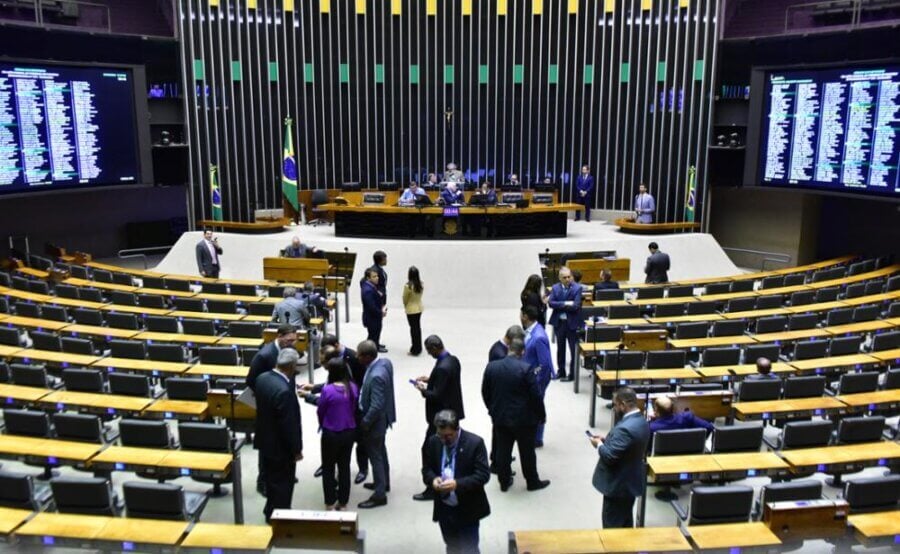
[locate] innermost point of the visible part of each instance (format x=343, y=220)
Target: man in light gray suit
x=644, y=205
x=658, y=264
x=376, y=404
x=620, y=474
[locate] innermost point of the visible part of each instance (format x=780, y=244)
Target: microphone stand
x=642, y=514
x=230, y=421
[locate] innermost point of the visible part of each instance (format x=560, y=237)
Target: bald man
x=763, y=371
x=666, y=418
x=565, y=299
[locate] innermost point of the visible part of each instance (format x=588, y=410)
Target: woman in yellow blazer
x=412, y=303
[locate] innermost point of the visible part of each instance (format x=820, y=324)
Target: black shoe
x=360, y=477
x=371, y=487
x=539, y=485
x=261, y=488
x=372, y=503
x=539, y=444
x=427, y=494
x=495, y=472
x=382, y=349
x=318, y=472
x=566, y=379
x=505, y=486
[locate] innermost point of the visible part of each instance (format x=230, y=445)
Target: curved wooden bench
x=257, y=227
x=629, y=226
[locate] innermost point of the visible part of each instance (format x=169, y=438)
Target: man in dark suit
x=513, y=399
x=379, y=259
x=584, y=186
x=565, y=299
x=454, y=466
x=278, y=435
x=537, y=356
x=606, y=282
x=373, y=309
x=657, y=267
x=500, y=349
x=208, y=252
x=620, y=474
x=442, y=390
x=376, y=403
x=297, y=249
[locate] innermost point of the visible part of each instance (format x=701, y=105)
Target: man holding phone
x=208, y=252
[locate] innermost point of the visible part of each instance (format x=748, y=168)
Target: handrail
x=141, y=252
x=776, y=257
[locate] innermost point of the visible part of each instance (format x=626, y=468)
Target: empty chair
x=697, y=330
x=247, y=355
x=892, y=379
x=179, y=285
x=809, y=349
x=245, y=329
x=74, y=345
x=231, y=383
x=123, y=279
x=5, y=279
x=697, y=387
x=757, y=351
x=215, y=288
x=145, y=433
x=851, y=383
x=737, y=438
x=668, y=310
x=243, y=290
x=874, y=287
x=857, y=268
x=189, y=304
x=91, y=294
x=772, y=324
x=83, y=495
x=129, y=384
x=802, y=321
x=123, y=298
x=756, y=390
x=27, y=309
x=198, y=327
x=892, y=284
x=161, y=324
x=4, y=305
x=186, y=388
x=83, y=380
x=30, y=375
x=19, y=283
x=743, y=285
x=701, y=308
x=708, y=505
x=221, y=306
x=772, y=282
x=794, y=279
x=680, y=291
x=871, y=494
x=718, y=288
x=66, y=291
x=151, y=301
x=650, y=293
x=769, y=302
x=821, y=275
x=4, y=372
x=163, y=352
x=806, y=386
x=103, y=276
x=161, y=501
x=87, y=316
x=855, y=430
x=805, y=489
x=841, y=316
x=805, y=434
x=149, y=282
x=56, y=313
x=662, y=359
x=79, y=427
x=886, y=341
x=728, y=327
x=855, y=290
x=845, y=346
x=10, y=336
x=613, y=360
x=677, y=442
x=17, y=491
x=865, y=313
x=28, y=423
x=134, y=349
x=741, y=304
x=218, y=355
x=79, y=272
x=205, y=437
x=123, y=321
x=260, y=308
x=45, y=341
x=894, y=310
x=721, y=356
x=829, y=294
x=628, y=311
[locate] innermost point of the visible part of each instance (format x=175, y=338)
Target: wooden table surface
x=76, y=303
x=753, y=314
x=137, y=310
x=10, y=518
x=142, y=365
x=34, y=323
x=741, y=369
x=22, y=393
x=742, y=409
x=184, y=314
x=6, y=350
x=70, y=526
x=710, y=342
x=842, y=454
x=685, y=318
x=676, y=465
x=889, y=396
x=232, y=297
x=193, y=408
x=239, y=341
x=886, y=355
x=816, y=307
x=581, y=541
x=880, y=524
x=833, y=361
x=785, y=336
x=166, y=292
x=130, y=455
x=749, y=461
x=225, y=536
x=177, y=337
x=732, y=535
x=862, y=327
x=142, y=531
x=215, y=370
x=683, y=374
x=56, y=357
x=98, y=331
x=96, y=400
x=644, y=539
x=194, y=460
x=33, y=446
x=75, y=281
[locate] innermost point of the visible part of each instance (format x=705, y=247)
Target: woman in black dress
x=533, y=295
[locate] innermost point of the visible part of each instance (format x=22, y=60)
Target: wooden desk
x=10, y=518
x=98, y=331
x=143, y=366
x=37, y=273
x=15, y=394
x=685, y=318
x=790, y=336
x=168, y=293
x=213, y=370
x=870, y=529
x=177, y=409
x=227, y=297
x=74, y=281
x=63, y=358
x=872, y=298
x=753, y=314
x=787, y=290
x=591, y=269
x=239, y=341
x=137, y=532
x=820, y=459
x=732, y=536
x=6, y=351
x=631, y=226
x=120, y=269
x=33, y=447
x=586, y=541
x=137, y=310
x=673, y=469
x=644, y=539
x=75, y=303
x=210, y=464
x=295, y=270
x=887, y=356
x=862, y=327
x=751, y=464
x=98, y=403
x=726, y=296
x=627, y=376
x=223, y=537
x=822, y=365
x=48, y=526
x=34, y=323
x=710, y=342
x=723, y=372
x=788, y=408
x=873, y=401
x=177, y=338
x=820, y=307
x=657, y=301
x=263, y=318
x=184, y=314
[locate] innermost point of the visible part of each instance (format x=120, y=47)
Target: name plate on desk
x=806, y=519
x=511, y=197
x=451, y=211
x=373, y=198
x=542, y=198
x=314, y=529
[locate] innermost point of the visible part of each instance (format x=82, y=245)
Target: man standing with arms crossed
x=565, y=299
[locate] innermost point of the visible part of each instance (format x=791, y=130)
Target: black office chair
x=5, y=280
x=605, y=295
x=698, y=387
x=676, y=442
x=74, y=345
x=666, y=359
x=82, y=428
x=19, y=283
x=873, y=494
x=866, y=313
x=845, y=346
x=247, y=355
x=87, y=495
x=851, y=383
x=123, y=321
x=803, y=321
x=829, y=294
x=740, y=304
x=603, y=333
x=886, y=341
x=179, y=285
x=186, y=388
x=231, y=383
x=90, y=294
x=893, y=310
x=245, y=329
x=151, y=301
x=189, y=304
x=728, y=327
x=162, y=352
x=10, y=336
x=680, y=291
x=769, y=302
x=55, y=313
x=717, y=288
x=774, y=282
x=319, y=197
x=807, y=386
x=4, y=305
x=29, y=375
x=218, y=355
x=721, y=356
x=669, y=310
x=892, y=284
x=841, y=316
x=83, y=380
x=650, y=293
x=79, y=272
x=742, y=285
x=161, y=324
x=701, y=308
x=162, y=501
x=102, y=276
x=123, y=279
x=38, y=287
x=42, y=340
x=147, y=434
x=130, y=384
x=756, y=351
x=771, y=324
x=855, y=290
x=123, y=298
x=153, y=282
x=628, y=311
x=874, y=287
x=892, y=379
x=613, y=360
x=215, y=288
x=27, y=309
x=31, y=423
x=754, y=391
x=696, y=330
x=4, y=372
x=803, y=434
x=857, y=429
x=788, y=491
x=132, y=349
x=709, y=505
x=222, y=306
x=206, y=437
x=809, y=349
x=736, y=438
x=794, y=279
x=18, y=491
x=198, y=327
x=88, y=316
x=261, y=308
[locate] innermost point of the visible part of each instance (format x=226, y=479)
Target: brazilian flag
x=215, y=193
x=289, y=167
x=690, y=200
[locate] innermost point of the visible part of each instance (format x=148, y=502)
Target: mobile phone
x=413, y=382
x=588, y=433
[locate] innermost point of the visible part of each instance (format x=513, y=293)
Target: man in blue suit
x=537, y=356
x=584, y=186
x=373, y=309
x=376, y=403
x=452, y=195
x=620, y=474
x=644, y=205
x=566, y=319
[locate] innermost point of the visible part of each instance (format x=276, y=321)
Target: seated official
x=293, y=310
x=297, y=249
x=432, y=183
x=486, y=193
x=454, y=175
x=514, y=181
x=666, y=418
x=606, y=281
x=452, y=195
x=408, y=198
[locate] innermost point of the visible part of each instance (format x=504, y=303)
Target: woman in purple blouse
x=337, y=420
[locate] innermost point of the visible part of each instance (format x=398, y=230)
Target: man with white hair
x=297, y=249
x=452, y=195
x=454, y=175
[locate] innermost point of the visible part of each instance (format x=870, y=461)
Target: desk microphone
x=732, y=372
